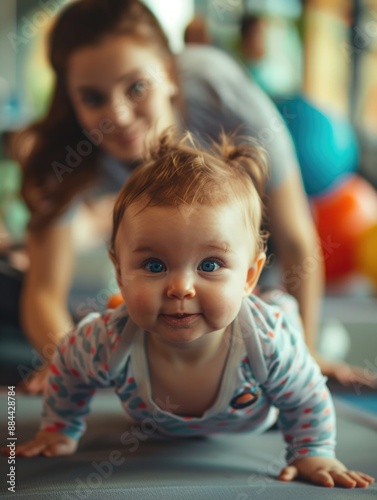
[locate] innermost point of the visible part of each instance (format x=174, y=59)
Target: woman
x=117, y=87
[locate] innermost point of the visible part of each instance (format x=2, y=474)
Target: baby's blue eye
x=209, y=266
x=155, y=266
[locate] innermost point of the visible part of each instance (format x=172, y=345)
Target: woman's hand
x=36, y=382
x=346, y=374
x=48, y=444
x=325, y=471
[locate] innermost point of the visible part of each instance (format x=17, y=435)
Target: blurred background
x=316, y=59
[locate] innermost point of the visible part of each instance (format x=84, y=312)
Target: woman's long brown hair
x=41, y=148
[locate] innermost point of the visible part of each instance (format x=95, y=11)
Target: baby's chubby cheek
x=223, y=310
x=138, y=301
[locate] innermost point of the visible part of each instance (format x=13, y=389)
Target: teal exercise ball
x=326, y=144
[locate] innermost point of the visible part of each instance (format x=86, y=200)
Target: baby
x=193, y=350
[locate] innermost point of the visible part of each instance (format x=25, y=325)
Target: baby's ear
x=115, y=262
x=253, y=274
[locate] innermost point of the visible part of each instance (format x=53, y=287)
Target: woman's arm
x=44, y=313
x=299, y=253
x=298, y=249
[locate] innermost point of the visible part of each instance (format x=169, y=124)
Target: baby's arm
x=307, y=417
x=78, y=367
x=50, y=440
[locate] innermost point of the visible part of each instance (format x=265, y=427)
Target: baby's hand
x=49, y=444
x=325, y=472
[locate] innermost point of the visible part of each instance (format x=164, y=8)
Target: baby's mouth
x=180, y=319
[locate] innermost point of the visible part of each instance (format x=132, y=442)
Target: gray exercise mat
x=235, y=467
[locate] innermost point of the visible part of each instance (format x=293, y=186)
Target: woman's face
x=122, y=94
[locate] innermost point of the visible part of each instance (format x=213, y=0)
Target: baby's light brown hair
x=179, y=173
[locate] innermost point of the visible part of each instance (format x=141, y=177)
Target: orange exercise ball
x=366, y=253
x=341, y=216
x=114, y=301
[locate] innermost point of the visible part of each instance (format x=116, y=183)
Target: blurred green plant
x=13, y=212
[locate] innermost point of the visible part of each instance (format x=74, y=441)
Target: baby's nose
x=181, y=286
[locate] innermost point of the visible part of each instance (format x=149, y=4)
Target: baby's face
x=183, y=272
